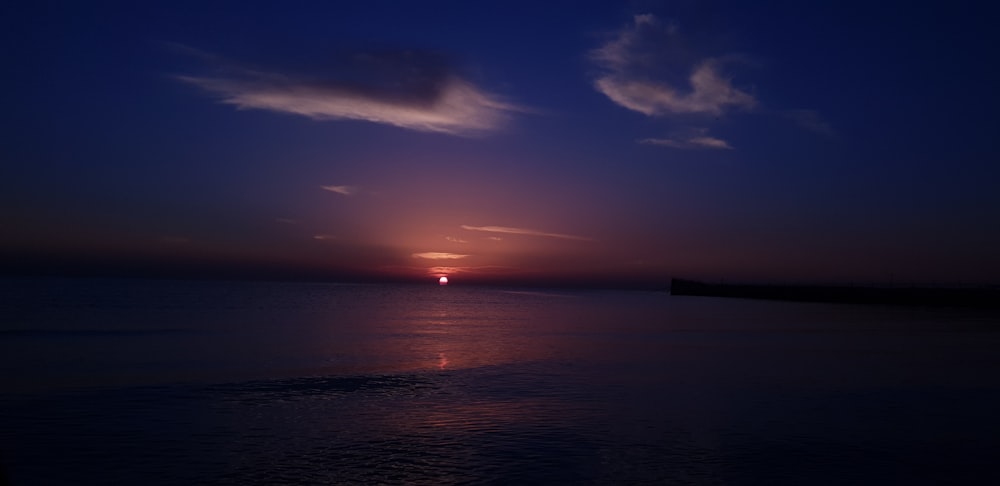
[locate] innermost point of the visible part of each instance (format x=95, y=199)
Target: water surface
x=131, y=381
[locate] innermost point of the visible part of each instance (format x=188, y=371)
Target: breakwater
x=980, y=297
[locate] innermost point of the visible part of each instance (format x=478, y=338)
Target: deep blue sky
x=527, y=141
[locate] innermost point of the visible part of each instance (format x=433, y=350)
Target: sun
x=443, y=281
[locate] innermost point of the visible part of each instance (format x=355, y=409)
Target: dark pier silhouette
x=976, y=297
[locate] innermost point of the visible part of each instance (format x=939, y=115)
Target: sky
x=523, y=142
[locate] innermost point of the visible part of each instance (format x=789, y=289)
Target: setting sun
x=443, y=281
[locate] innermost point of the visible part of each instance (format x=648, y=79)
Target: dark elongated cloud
x=408, y=89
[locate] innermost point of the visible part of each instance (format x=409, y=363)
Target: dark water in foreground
x=141, y=382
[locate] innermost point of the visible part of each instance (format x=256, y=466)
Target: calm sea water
x=162, y=382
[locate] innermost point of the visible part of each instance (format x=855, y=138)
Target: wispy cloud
x=344, y=190
x=629, y=64
x=454, y=240
x=810, y=120
x=523, y=231
x=438, y=255
x=325, y=237
x=404, y=88
x=445, y=271
x=697, y=139
x=449, y=271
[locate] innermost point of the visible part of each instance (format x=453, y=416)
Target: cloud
x=693, y=140
x=630, y=61
x=437, y=255
x=445, y=271
x=325, y=237
x=404, y=88
x=455, y=240
x=522, y=231
x=483, y=270
x=691, y=143
x=810, y=120
x=345, y=190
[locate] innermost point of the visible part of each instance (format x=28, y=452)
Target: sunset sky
x=523, y=142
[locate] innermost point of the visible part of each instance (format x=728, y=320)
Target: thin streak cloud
x=694, y=140
x=408, y=89
x=344, y=190
x=437, y=255
x=523, y=231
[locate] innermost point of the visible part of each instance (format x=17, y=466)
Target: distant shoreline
x=981, y=297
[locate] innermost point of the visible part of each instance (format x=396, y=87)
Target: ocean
x=120, y=381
